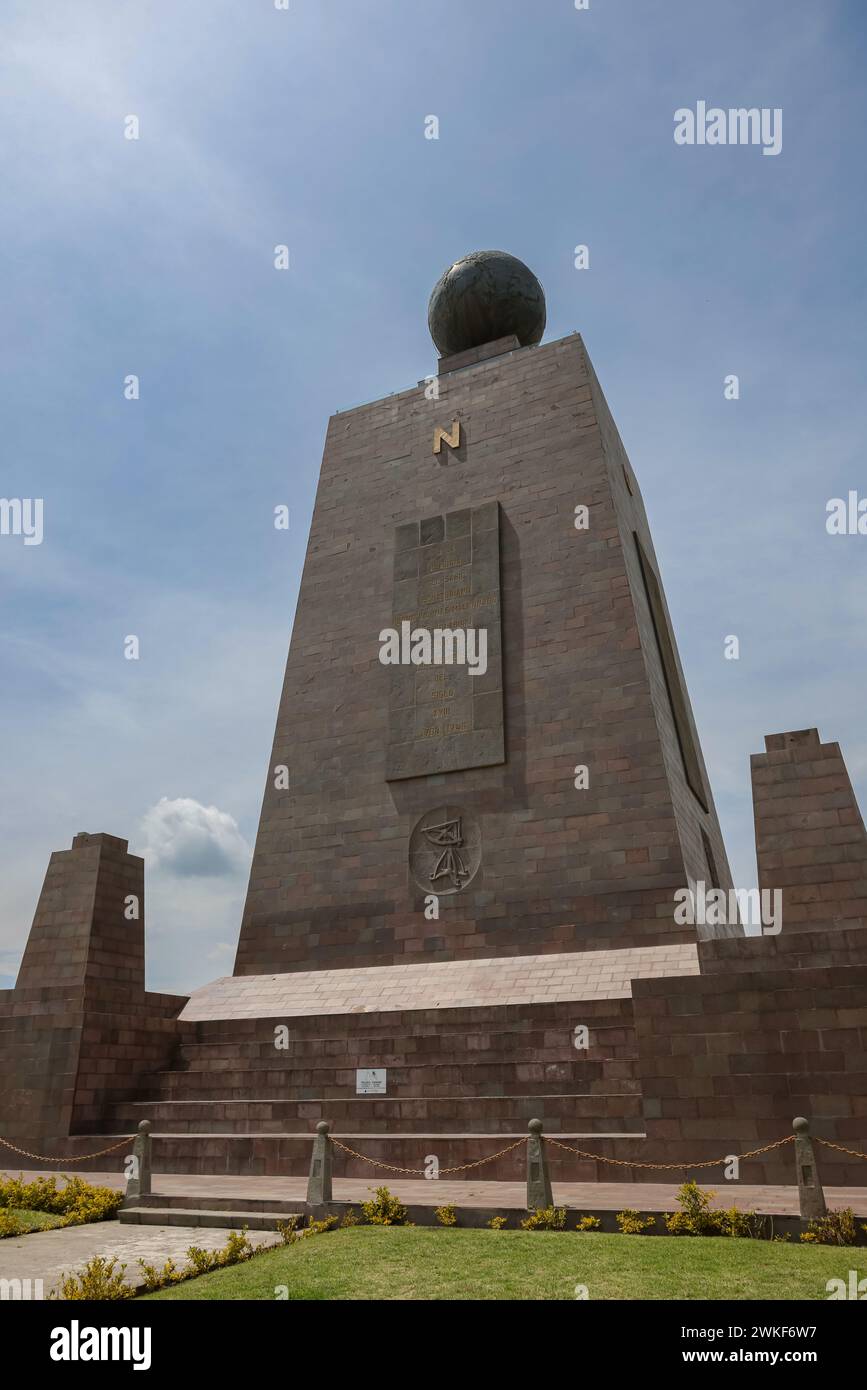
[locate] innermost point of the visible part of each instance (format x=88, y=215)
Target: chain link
x=583, y=1153
x=82, y=1158
x=461, y=1168
x=670, y=1167
x=480, y=1162
x=853, y=1153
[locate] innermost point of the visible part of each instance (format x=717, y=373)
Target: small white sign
x=370, y=1081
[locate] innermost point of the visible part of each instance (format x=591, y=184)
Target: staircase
x=461, y=1082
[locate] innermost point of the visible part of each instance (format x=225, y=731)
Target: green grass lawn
x=372, y=1262
x=33, y=1220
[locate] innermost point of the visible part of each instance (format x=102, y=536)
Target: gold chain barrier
x=461, y=1168
x=82, y=1158
x=811, y=1199
x=826, y=1143
x=583, y=1153
x=672, y=1167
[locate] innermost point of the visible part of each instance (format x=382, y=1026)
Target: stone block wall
x=562, y=869
x=79, y=1030
x=810, y=837
x=729, y=1058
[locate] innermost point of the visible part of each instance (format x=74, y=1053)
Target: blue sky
x=306, y=127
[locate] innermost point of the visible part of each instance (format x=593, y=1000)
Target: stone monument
x=481, y=534
x=485, y=793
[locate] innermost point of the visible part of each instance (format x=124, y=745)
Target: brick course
x=562, y=869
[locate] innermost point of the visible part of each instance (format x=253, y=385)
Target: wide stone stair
x=246, y=1094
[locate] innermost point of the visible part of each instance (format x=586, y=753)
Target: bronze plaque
x=446, y=618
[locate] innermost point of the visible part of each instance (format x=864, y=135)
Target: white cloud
x=222, y=951
x=188, y=840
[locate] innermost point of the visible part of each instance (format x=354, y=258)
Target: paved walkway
x=588, y=1196
x=48, y=1255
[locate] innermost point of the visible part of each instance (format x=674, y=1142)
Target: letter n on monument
x=447, y=577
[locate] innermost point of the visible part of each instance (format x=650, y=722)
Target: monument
x=485, y=792
x=480, y=533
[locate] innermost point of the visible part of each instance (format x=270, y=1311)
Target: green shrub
x=99, y=1279
x=588, y=1223
x=76, y=1203
x=695, y=1217
x=497, y=1223
x=39, y=1195
x=631, y=1222
x=289, y=1229
x=446, y=1216
x=836, y=1228
x=747, y=1225
x=199, y=1261
x=545, y=1219
x=236, y=1249
x=318, y=1228
x=384, y=1209
x=10, y=1224
x=158, y=1278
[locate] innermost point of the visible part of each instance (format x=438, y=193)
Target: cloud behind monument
x=183, y=838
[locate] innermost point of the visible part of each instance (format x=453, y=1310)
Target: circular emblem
x=445, y=850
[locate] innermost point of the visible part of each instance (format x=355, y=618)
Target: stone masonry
x=583, y=680
x=553, y=980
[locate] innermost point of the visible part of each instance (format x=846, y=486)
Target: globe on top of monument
x=482, y=297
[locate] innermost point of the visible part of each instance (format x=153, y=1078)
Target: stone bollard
x=810, y=1195
x=319, y=1182
x=140, y=1184
x=538, y=1179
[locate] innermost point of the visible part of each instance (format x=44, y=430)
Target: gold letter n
x=453, y=440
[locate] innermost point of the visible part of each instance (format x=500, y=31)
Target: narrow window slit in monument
x=713, y=875
x=676, y=699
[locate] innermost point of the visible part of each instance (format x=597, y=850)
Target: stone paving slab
x=570, y=976
x=589, y=1196
x=48, y=1255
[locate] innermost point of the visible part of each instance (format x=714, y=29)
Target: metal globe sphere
x=482, y=297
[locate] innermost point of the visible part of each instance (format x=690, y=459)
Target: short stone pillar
x=319, y=1181
x=139, y=1183
x=810, y=1195
x=538, y=1179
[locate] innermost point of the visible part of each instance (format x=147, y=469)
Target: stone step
x=414, y=1032
x=225, y=1219
x=475, y=1079
x=451, y=1031
x=616, y=1043
x=382, y=1114
x=284, y=1206
x=241, y=1214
